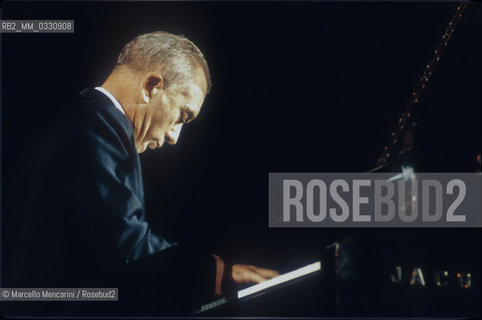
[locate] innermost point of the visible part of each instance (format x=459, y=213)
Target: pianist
x=79, y=218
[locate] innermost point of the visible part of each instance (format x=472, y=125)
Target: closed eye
x=185, y=116
x=182, y=118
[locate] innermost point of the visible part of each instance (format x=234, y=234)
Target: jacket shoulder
x=92, y=111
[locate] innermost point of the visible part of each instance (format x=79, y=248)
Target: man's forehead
x=196, y=92
x=196, y=95
x=200, y=78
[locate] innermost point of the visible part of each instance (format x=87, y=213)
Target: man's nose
x=173, y=135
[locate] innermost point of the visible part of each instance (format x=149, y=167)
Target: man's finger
x=256, y=277
x=247, y=273
x=243, y=274
x=266, y=273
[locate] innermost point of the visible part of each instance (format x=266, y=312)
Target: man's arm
x=111, y=213
x=107, y=195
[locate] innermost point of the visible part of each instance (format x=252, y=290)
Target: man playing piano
x=81, y=220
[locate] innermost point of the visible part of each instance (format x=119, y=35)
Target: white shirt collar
x=111, y=97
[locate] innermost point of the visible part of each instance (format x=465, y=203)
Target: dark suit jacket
x=78, y=217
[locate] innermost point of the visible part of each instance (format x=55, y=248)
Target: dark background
x=307, y=86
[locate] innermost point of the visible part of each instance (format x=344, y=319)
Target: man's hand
x=242, y=273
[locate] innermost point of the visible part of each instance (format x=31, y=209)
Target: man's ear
x=153, y=83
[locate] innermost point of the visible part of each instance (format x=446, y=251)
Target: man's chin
x=141, y=149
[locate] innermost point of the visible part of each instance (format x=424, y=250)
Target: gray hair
x=177, y=54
